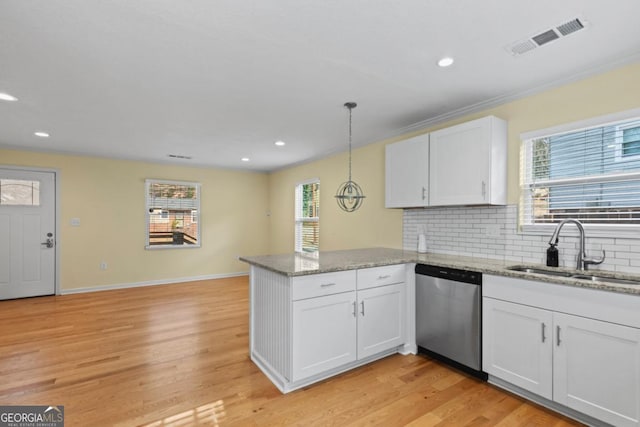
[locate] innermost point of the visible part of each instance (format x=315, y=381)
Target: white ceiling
x=218, y=80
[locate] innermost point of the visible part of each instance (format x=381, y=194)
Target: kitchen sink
x=592, y=277
x=524, y=269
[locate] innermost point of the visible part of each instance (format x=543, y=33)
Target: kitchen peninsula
x=316, y=315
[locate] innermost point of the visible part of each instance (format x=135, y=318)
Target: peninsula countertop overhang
x=300, y=264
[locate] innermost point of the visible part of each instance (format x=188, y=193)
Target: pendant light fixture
x=349, y=195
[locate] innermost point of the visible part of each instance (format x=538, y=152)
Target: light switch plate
x=75, y=222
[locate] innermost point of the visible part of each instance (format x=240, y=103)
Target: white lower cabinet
x=337, y=320
x=587, y=365
x=380, y=320
x=517, y=345
x=331, y=331
x=596, y=368
x=324, y=333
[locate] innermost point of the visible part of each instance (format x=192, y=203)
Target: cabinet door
x=460, y=164
x=597, y=369
x=381, y=319
x=517, y=345
x=324, y=333
x=406, y=173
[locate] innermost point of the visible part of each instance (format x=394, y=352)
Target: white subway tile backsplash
x=629, y=255
x=472, y=231
x=632, y=248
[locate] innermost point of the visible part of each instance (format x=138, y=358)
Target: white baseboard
x=151, y=283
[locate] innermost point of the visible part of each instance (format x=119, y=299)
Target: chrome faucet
x=583, y=261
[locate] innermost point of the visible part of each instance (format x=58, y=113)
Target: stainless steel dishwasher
x=449, y=316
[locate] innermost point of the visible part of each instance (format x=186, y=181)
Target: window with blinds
x=307, y=233
x=173, y=212
x=590, y=174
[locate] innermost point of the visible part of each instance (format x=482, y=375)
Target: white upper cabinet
x=407, y=173
x=468, y=164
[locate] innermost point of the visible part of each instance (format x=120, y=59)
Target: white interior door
x=27, y=227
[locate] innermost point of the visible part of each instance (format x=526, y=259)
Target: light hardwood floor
x=177, y=355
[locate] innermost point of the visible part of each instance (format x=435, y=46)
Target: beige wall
x=373, y=225
x=108, y=197
x=370, y=226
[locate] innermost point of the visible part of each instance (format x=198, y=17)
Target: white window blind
x=590, y=174
x=173, y=212
x=307, y=215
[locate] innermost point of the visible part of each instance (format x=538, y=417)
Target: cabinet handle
x=484, y=189
x=324, y=285
x=354, y=309
x=386, y=276
x=362, y=306
x=424, y=193
x=544, y=337
x=558, y=341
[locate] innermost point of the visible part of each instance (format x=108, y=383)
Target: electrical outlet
x=103, y=265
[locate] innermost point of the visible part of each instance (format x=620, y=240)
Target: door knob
x=48, y=243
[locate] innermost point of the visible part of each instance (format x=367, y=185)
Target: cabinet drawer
x=380, y=276
x=317, y=285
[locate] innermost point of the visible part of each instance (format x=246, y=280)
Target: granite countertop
x=297, y=264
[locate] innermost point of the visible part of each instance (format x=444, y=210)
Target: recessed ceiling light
x=445, y=62
x=41, y=134
x=279, y=143
x=7, y=97
x=245, y=159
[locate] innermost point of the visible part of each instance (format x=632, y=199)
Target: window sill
x=160, y=247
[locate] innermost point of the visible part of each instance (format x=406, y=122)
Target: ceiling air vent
x=570, y=27
x=522, y=47
x=544, y=37
x=179, y=156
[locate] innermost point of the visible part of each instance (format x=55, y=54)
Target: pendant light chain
x=350, y=112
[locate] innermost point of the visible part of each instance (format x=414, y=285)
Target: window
x=173, y=210
x=17, y=192
x=591, y=174
x=307, y=216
